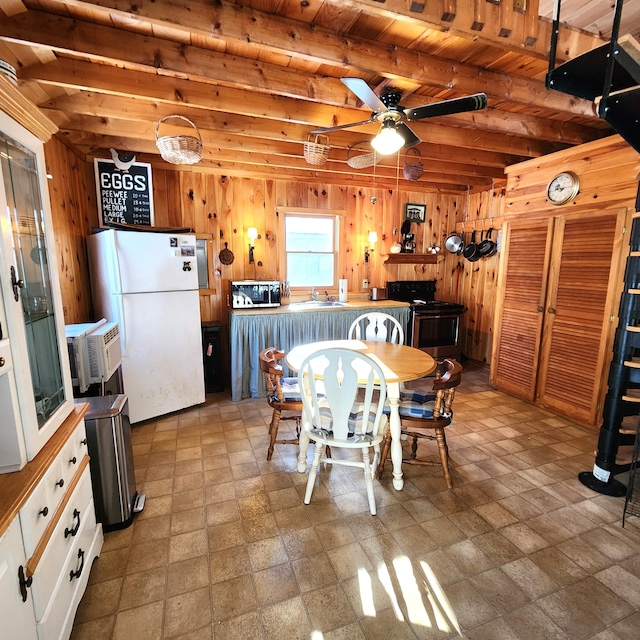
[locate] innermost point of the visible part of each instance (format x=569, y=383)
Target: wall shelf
x=411, y=258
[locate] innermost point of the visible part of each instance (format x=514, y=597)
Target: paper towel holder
x=373, y=238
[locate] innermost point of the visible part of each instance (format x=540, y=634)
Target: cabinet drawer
x=70, y=457
x=39, y=508
x=78, y=517
x=72, y=581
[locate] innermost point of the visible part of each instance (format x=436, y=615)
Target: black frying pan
x=487, y=247
x=471, y=252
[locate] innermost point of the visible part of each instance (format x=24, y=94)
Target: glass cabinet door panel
x=32, y=277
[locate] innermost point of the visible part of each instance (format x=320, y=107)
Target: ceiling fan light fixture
x=388, y=140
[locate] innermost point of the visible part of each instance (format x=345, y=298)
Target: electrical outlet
x=365, y=284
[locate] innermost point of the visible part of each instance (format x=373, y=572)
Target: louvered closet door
x=519, y=314
x=583, y=295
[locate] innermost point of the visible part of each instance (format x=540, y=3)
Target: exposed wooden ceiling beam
x=96, y=104
x=108, y=79
x=216, y=141
x=227, y=20
x=113, y=45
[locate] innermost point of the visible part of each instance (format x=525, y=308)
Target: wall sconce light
x=252, y=234
x=373, y=238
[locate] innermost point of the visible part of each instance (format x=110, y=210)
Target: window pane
x=310, y=269
x=311, y=244
x=309, y=234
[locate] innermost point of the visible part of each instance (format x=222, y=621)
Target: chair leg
x=384, y=453
x=273, y=431
x=444, y=455
x=368, y=480
x=414, y=447
x=313, y=471
x=376, y=460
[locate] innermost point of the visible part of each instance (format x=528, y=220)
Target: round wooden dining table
x=399, y=364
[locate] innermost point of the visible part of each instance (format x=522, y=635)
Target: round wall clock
x=563, y=188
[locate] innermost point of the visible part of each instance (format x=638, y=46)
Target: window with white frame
x=311, y=247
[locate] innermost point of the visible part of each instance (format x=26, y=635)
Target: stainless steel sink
x=317, y=303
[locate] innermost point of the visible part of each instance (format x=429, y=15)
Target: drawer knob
x=83, y=441
x=78, y=572
x=73, y=460
x=1, y=361
x=60, y=483
x=44, y=512
x=72, y=532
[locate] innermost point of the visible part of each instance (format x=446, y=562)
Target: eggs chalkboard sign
x=125, y=196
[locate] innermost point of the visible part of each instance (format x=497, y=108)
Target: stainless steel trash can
x=111, y=460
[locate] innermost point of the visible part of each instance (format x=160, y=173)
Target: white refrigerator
x=147, y=282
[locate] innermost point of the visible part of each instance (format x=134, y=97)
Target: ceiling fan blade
x=447, y=107
x=365, y=93
x=410, y=138
x=342, y=126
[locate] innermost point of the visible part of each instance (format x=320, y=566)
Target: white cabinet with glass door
x=35, y=389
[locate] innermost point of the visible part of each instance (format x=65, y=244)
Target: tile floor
x=225, y=548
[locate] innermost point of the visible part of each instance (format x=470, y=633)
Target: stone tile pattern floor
x=226, y=549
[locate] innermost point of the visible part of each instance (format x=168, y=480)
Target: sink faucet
x=314, y=293
x=329, y=298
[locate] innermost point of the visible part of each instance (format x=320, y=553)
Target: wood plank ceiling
x=256, y=76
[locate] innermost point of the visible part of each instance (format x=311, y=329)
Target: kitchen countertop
x=251, y=330
x=298, y=307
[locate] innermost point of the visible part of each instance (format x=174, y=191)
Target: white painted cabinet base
x=58, y=619
x=18, y=619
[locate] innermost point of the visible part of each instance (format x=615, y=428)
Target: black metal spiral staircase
x=610, y=77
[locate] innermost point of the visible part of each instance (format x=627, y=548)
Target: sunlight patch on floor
x=366, y=593
x=435, y=590
x=421, y=596
x=385, y=579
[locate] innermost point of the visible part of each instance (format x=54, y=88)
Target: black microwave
x=247, y=294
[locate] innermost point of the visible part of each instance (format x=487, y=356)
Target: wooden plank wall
x=224, y=207
x=74, y=211
x=608, y=170
x=474, y=283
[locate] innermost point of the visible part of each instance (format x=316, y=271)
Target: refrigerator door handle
x=122, y=326
x=116, y=255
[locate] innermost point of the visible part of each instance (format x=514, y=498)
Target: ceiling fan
x=394, y=133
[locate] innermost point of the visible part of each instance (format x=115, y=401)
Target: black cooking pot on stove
x=471, y=251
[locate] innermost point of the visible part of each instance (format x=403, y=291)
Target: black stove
x=434, y=326
x=420, y=294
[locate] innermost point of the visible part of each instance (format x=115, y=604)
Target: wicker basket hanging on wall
x=362, y=160
x=179, y=149
x=316, y=149
x=413, y=167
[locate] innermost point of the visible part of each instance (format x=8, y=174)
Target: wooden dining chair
x=346, y=411
x=425, y=415
x=376, y=326
x=283, y=394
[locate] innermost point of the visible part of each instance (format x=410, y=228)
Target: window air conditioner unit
x=95, y=352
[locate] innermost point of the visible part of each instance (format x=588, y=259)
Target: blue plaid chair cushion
x=356, y=416
x=290, y=390
x=413, y=396
x=416, y=395
x=410, y=409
